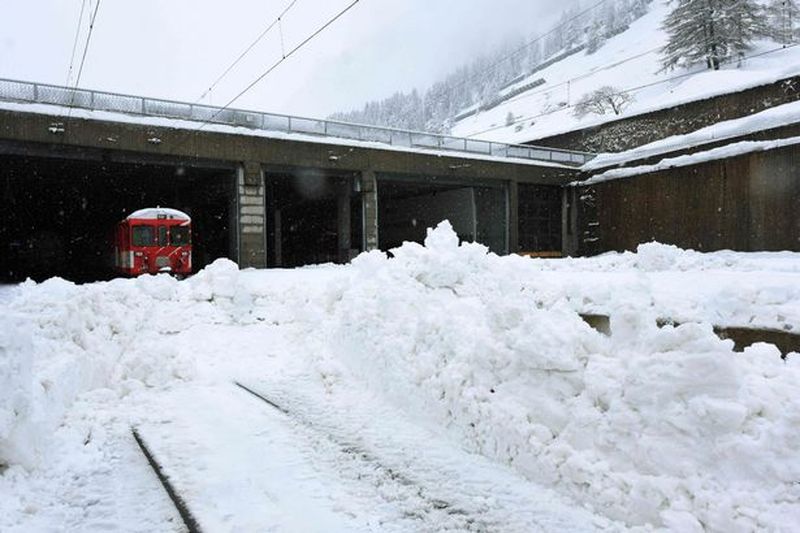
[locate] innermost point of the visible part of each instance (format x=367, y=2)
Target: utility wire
x=75, y=42
x=247, y=50
x=86, y=46
x=83, y=61
x=633, y=89
x=277, y=63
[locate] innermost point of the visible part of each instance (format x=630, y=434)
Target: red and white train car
x=153, y=240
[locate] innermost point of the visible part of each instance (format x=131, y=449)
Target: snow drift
x=663, y=426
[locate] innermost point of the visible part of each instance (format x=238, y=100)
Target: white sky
x=175, y=49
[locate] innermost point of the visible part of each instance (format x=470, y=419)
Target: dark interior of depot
x=312, y=218
x=59, y=215
x=406, y=209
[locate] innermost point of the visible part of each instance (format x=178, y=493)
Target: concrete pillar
x=343, y=220
x=569, y=221
x=513, y=217
x=369, y=205
x=252, y=227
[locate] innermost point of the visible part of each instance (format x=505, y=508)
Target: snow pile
x=61, y=340
x=662, y=426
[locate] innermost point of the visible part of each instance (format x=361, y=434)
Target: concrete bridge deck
x=259, y=196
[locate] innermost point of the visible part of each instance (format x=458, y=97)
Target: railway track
x=277, y=457
x=188, y=519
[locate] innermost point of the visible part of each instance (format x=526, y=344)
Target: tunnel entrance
x=59, y=213
x=540, y=220
x=407, y=206
x=312, y=217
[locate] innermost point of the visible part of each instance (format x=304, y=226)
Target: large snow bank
x=60, y=340
x=663, y=426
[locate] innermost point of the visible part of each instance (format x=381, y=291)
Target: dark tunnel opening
x=59, y=214
x=407, y=207
x=312, y=218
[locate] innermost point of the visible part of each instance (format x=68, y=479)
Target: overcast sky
x=175, y=49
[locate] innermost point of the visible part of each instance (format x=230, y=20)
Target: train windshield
x=179, y=235
x=162, y=235
x=143, y=235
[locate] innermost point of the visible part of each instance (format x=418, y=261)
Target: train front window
x=162, y=235
x=179, y=235
x=143, y=235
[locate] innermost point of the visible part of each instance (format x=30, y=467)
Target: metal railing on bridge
x=22, y=91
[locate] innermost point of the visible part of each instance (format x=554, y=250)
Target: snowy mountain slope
x=629, y=61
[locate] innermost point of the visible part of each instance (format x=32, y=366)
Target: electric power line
x=75, y=42
x=86, y=46
x=247, y=50
x=277, y=63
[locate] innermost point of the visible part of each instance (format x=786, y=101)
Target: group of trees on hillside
x=720, y=31
x=579, y=30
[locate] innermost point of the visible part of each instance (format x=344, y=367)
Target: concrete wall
x=747, y=203
x=626, y=133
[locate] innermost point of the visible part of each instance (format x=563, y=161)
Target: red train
x=154, y=240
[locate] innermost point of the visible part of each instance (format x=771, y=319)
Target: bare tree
x=604, y=100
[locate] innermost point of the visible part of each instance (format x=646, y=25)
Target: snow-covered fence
x=22, y=91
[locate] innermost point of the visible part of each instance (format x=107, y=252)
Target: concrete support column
x=252, y=227
x=569, y=221
x=513, y=217
x=369, y=204
x=343, y=220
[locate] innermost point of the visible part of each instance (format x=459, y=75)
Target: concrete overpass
x=263, y=189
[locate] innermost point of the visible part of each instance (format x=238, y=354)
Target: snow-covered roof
x=773, y=117
x=155, y=213
x=722, y=152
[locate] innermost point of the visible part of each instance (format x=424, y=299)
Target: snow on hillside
x=628, y=61
x=444, y=388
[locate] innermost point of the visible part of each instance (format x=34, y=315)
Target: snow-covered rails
x=183, y=509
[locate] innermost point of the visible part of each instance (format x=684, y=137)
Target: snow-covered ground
x=629, y=61
x=443, y=389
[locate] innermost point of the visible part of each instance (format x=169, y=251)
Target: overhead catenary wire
x=86, y=46
x=83, y=59
x=75, y=42
x=247, y=50
x=629, y=90
x=275, y=65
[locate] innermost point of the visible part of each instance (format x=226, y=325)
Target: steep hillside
x=630, y=62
